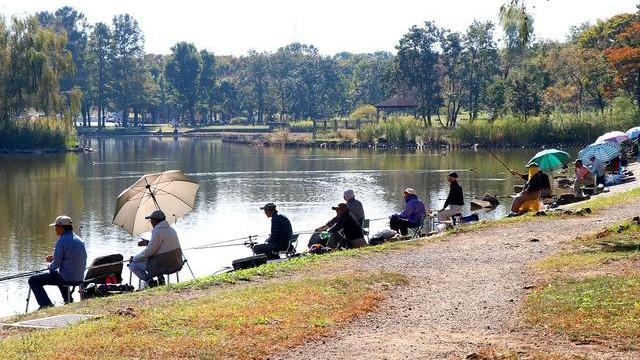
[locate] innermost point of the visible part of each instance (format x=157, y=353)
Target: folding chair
x=365, y=228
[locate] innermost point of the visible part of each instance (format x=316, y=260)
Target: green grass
x=584, y=260
x=607, y=201
x=619, y=242
x=602, y=308
x=248, y=322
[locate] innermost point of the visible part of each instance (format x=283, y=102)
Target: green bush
x=301, y=125
x=400, y=131
x=364, y=112
x=240, y=120
x=44, y=133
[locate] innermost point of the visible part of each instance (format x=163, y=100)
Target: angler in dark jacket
x=281, y=232
x=346, y=222
x=532, y=188
x=455, y=200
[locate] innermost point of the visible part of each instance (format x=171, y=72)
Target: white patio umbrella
x=613, y=136
x=171, y=191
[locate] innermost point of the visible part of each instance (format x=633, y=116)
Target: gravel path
x=464, y=294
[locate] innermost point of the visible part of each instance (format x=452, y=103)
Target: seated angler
x=280, y=237
x=455, y=200
x=162, y=254
x=67, y=264
x=412, y=216
x=531, y=191
x=353, y=236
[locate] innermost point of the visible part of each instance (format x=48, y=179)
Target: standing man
x=355, y=206
x=67, y=264
x=162, y=253
x=280, y=233
x=411, y=216
x=455, y=200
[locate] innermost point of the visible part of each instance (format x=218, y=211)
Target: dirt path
x=464, y=295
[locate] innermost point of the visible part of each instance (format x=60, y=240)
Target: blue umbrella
x=633, y=133
x=604, y=151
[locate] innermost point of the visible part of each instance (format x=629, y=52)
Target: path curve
x=464, y=294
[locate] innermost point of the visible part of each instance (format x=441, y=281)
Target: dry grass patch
x=494, y=353
x=247, y=322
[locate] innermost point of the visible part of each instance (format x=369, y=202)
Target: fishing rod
x=486, y=148
x=217, y=244
x=21, y=275
x=497, y=158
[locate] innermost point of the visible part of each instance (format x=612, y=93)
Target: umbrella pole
x=153, y=197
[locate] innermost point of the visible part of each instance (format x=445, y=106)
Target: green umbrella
x=550, y=160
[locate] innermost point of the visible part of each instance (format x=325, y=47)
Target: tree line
x=56, y=63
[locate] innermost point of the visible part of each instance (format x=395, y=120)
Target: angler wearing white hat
x=411, y=216
x=66, y=266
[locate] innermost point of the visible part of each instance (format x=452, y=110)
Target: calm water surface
x=234, y=182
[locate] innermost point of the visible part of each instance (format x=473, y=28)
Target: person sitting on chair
x=354, y=205
x=584, y=177
x=162, y=254
x=349, y=226
x=531, y=190
x=355, y=210
x=67, y=264
x=546, y=191
x=455, y=200
x=411, y=216
x=280, y=233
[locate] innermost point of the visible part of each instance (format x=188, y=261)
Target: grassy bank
x=249, y=322
x=40, y=134
x=546, y=129
x=592, y=290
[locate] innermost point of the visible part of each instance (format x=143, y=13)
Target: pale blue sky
x=236, y=26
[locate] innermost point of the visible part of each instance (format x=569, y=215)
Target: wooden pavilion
x=397, y=103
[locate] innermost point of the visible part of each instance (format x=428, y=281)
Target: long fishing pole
x=21, y=275
x=497, y=158
x=486, y=148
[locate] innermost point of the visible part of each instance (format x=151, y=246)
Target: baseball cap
x=410, y=191
x=340, y=206
x=268, y=206
x=156, y=215
x=453, y=174
x=62, y=220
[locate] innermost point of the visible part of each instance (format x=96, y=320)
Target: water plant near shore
x=43, y=133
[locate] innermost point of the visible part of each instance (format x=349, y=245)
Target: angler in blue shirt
x=67, y=264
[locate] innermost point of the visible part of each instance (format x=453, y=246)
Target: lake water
x=234, y=182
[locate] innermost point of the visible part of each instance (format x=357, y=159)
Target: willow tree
x=517, y=25
x=32, y=62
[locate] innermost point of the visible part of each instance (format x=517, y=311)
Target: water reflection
x=234, y=182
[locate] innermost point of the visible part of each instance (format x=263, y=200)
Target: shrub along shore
x=41, y=135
